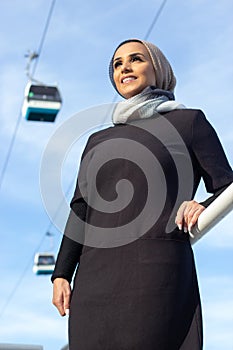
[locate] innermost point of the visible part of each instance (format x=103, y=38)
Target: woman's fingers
x=61, y=295
x=187, y=215
x=180, y=216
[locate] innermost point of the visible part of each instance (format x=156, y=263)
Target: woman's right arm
x=70, y=248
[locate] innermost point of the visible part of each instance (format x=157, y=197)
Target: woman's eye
x=136, y=58
x=117, y=64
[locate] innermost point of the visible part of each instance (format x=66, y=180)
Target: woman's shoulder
x=188, y=122
x=99, y=133
x=186, y=116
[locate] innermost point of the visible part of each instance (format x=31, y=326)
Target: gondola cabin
x=41, y=102
x=44, y=263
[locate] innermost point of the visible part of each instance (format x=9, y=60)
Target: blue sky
x=196, y=36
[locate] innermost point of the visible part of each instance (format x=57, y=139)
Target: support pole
x=214, y=213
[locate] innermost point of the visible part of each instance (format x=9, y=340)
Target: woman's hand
x=61, y=295
x=188, y=214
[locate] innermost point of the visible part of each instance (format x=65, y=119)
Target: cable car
x=41, y=102
x=44, y=263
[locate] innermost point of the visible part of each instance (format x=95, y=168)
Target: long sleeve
x=71, y=245
x=67, y=260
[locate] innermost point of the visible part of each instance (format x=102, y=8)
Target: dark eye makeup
x=133, y=58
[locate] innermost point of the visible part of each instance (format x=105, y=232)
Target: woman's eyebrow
x=131, y=55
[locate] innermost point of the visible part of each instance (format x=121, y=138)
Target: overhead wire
x=40, y=47
x=15, y=132
x=19, y=281
x=5, y=164
x=156, y=17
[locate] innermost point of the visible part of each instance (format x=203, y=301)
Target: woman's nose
x=126, y=67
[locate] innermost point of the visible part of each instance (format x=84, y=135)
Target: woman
x=138, y=289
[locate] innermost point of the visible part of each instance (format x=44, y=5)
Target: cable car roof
x=43, y=92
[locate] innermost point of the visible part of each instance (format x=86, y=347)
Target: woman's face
x=133, y=70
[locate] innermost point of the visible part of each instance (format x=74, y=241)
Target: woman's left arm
x=214, y=169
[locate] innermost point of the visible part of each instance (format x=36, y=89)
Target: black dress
x=139, y=290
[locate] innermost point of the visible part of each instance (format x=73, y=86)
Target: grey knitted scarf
x=147, y=104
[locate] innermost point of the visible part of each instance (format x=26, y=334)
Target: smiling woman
x=136, y=286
